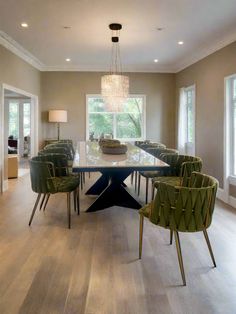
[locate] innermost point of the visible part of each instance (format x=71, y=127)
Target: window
x=190, y=114
x=186, y=121
x=126, y=125
x=231, y=124
x=26, y=119
x=13, y=119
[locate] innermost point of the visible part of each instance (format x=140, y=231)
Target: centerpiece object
x=105, y=141
x=112, y=147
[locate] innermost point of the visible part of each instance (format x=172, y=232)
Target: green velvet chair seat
x=65, y=184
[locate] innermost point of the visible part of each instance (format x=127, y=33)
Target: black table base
x=112, y=191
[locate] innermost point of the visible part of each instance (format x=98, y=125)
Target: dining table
x=110, y=187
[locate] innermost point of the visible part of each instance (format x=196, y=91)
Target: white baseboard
x=5, y=185
x=222, y=195
x=232, y=201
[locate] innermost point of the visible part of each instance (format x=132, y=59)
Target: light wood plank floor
x=93, y=268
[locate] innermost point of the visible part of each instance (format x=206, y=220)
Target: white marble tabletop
x=89, y=157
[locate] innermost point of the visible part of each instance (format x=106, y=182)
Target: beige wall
x=67, y=90
x=19, y=74
x=208, y=75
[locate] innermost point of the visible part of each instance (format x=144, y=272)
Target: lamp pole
x=58, y=131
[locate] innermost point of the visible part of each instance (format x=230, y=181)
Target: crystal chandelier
x=115, y=86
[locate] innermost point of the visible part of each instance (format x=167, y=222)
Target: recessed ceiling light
x=67, y=59
x=25, y=25
x=155, y=60
x=180, y=42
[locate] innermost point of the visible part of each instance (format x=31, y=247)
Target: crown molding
x=10, y=44
x=22, y=53
x=87, y=68
x=205, y=51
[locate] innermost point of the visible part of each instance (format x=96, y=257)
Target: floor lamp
x=57, y=116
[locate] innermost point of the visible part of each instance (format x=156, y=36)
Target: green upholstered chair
x=181, y=168
x=157, y=152
x=45, y=182
x=145, y=145
x=188, y=208
x=62, y=169
x=148, y=145
x=65, y=146
x=68, y=142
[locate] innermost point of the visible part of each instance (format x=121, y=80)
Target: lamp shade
x=57, y=116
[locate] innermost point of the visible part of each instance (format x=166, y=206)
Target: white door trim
x=34, y=130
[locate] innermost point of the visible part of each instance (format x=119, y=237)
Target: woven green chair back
x=172, y=160
x=188, y=167
x=158, y=151
x=146, y=146
x=181, y=165
x=59, y=161
x=70, y=144
x=41, y=176
x=186, y=209
x=66, y=146
x=54, y=150
x=66, y=141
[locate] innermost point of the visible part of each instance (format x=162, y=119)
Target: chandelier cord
x=115, y=64
x=115, y=86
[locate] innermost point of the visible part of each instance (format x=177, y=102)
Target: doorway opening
x=19, y=132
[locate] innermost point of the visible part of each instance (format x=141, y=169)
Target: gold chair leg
x=35, y=207
x=140, y=235
x=171, y=236
x=132, y=178
x=153, y=191
x=78, y=204
x=41, y=204
x=179, y=253
x=68, y=209
x=209, y=246
x=46, y=202
x=74, y=197
x=147, y=183
x=81, y=180
x=139, y=182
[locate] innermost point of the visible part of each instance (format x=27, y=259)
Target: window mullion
x=114, y=126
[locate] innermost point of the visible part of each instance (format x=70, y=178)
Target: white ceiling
x=204, y=26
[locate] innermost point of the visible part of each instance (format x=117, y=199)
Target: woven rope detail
x=185, y=209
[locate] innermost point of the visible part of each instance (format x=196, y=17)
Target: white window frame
x=130, y=96
x=229, y=177
x=186, y=90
